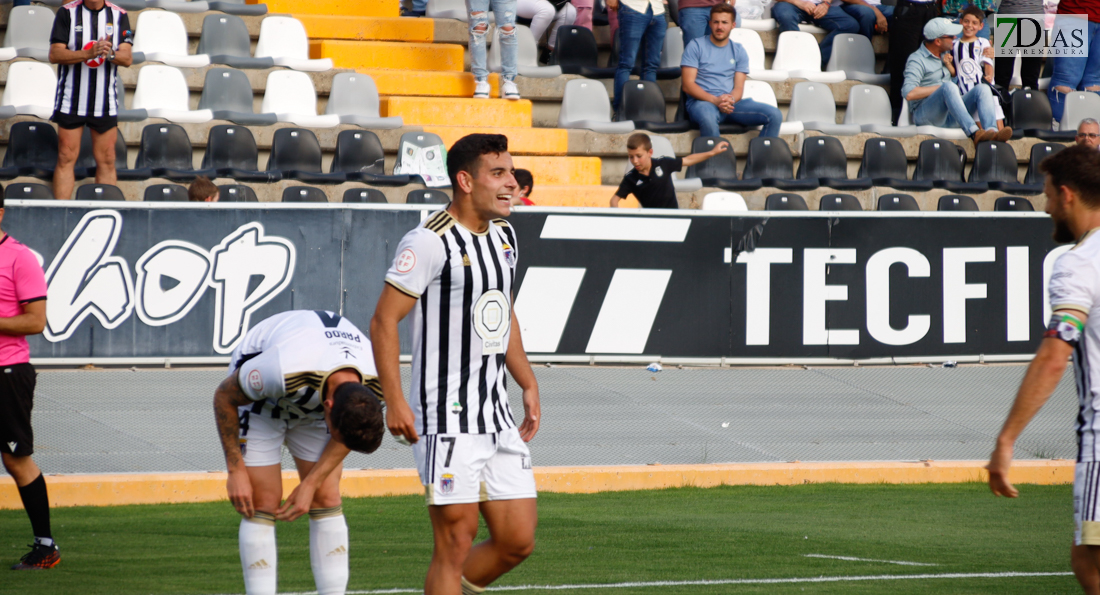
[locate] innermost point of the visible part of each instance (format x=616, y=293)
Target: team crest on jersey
x=447, y=483
x=659, y=171
x=509, y=255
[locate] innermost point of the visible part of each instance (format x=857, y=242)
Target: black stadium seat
x=1031, y=114
x=372, y=195
x=824, y=160
x=956, y=202
x=165, y=193
x=427, y=197
x=236, y=193
x=296, y=154
x=1039, y=152
x=360, y=157
x=1013, y=203
x=166, y=152
x=785, y=202
x=32, y=151
x=770, y=162
x=85, y=162
x=28, y=190
x=942, y=162
x=231, y=152
x=576, y=52
x=995, y=163
x=99, y=192
x=719, y=171
x=644, y=103
x=304, y=194
x=840, y=202
x=885, y=163
x=897, y=202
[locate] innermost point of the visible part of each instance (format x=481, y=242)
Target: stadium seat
x=99, y=192
x=32, y=151
x=839, y=202
x=304, y=194
x=585, y=104
x=1013, y=203
x=885, y=163
x=30, y=88
x=797, y=53
x=575, y=52
x=166, y=150
x=238, y=7
x=85, y=162
x=765, y=23
x=449, y=9
x=284, y=39
x=163, y=93
x=427, y=197
x=360, y=157
x=231, y=152
x=897, y=202
x=824, y=161
x=662, y=147
x=770, y=161
x=1078, y=106
x=855, y=57
x=663, y=72
x=1039, y=152
x=165, y=193
x=291, y=96
x=236, y=193
x=719, y=171
x=427, y=142
x=724, y=201
x=227, y=93
x=869, y=107
x=28, y=190
x=762, y=92
x=181, y=6
x=672, y=53
x=527, y=55
x=226, y=40
x=160, y=36
x=956, y=202
x=750, y=41
x=1031, y=114
x=127, y=115
x=995, y=164
x=955, y=133
x=127, y=5
x=370, y=195
x=813, y=105
x=785, y=202
x=296, y=155
x=938, y=161
x=354, y=99
x=28, y=32
x=644, y=104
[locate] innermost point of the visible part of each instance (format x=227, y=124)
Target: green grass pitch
x=688, y=534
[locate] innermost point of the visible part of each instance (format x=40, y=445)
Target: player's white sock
x=328, y=550
x=469, y=588
x=258, y=554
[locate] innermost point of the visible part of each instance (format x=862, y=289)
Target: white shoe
x=509, y=90
x=481, y=90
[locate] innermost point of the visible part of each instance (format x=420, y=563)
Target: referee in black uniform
x=90, y=40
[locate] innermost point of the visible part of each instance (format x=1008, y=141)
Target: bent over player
x=306, y=379
x=455, y=273
x=1073, y=202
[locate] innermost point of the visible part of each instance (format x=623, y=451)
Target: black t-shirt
x=654, y=191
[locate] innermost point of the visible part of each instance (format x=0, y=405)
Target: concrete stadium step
x=389, y=54
x=329, y=26
x=427, y=83
x=521, y=141
x=562, y=171
x=578, y=196
x=449, y=111
x=350, y=8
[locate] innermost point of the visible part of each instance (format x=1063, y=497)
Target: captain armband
x=1066, y=327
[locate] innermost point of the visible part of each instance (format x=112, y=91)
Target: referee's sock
x=259, y=554
x=36, y=501
x=469, y=588
x=328, y=550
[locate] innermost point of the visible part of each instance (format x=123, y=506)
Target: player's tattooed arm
x=227, y=398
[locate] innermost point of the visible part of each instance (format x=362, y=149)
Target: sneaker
x=40, y=557
x=481, y=90
x=509, y=90
x=1003, y=134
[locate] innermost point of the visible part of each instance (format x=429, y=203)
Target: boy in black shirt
x=651, y=179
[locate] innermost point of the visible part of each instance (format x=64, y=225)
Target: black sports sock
x=36, y=501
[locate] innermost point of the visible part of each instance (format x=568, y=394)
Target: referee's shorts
x=16, y=401
x=101, y=124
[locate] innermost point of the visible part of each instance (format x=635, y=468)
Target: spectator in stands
x=1088, y=133
x=694, y=17
x=87, y=56
x=935, y=100
x=1031, y=67
x=970, y=60
x=202, y=190
x=906, y=34
x=526, y=184
x=584, y=13
x=638, y=20
x=651, y=179
x=1076, y=73
x=544, y=12
x=505, y=12
x=419, y=9
x=872, y=16
x=789, y=13
x=713, y=72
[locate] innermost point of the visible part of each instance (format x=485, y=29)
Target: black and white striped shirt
x=84, y=90
x=461, y=323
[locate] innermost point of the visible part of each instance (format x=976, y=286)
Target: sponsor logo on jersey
x=406, y=260
x=447, y=483
x=255, y=380
x=492, y=316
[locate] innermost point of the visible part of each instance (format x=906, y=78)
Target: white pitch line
x=851, y=559
x=734, y=581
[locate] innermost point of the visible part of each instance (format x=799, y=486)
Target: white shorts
x=1086, y=503
x=467, y=468
x=262, y=438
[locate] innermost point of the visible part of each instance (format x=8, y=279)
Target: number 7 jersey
x=460, y=324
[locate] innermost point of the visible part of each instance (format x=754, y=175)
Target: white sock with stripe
x=328, y=550
x=259, y=554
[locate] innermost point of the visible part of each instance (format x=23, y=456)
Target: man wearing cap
x=935, y=100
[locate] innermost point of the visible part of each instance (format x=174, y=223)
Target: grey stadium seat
x=29, y=29
x=527, y=55
x=239, y=7
x=854, y=54
x=226, y=40
x=354, y=97
x=236, y=193
x=813, y=105
x=423, y=140
x=180, y=6
x=427, y=197
x=228, y=94
x=585, y=104
x=1078, y=106
x=869, y=107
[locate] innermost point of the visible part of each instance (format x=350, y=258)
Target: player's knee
x=519, y=551
x=326, y=500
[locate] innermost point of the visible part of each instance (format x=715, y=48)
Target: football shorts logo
x=509, y=255
x=255, y=380
x=525, y=462
x=447, y=483
x=12, y=446
x=405, y=261
x=492, y=317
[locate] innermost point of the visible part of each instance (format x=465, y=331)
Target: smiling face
x=491, y=186
x=971, y=25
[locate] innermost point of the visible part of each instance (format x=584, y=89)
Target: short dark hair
x=1077, y=167
x=357, y=415
x=638, y=140
x=973, y=11
x=721, y=8
x=201, y=189
x=524, y=179
x=467, y=151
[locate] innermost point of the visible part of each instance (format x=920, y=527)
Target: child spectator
x=651, y=179
x=969, y=60
x=526, y=184
x=202, y=190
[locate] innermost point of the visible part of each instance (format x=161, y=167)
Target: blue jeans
x=836, y=21
x=865, y=16
x=745, y=112
x=633, y=26
x=505, y=12
x=420, y=5
x=948, y=107
x=1076, y=73
x=695, y=22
